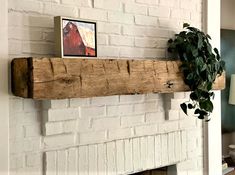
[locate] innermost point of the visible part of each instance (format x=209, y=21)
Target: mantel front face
x=57, y=78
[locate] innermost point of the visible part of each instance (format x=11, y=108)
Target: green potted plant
x=201, y=64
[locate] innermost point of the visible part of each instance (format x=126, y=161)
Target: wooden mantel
x=57, y=78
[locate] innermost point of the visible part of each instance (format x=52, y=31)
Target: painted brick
x=183, y=145
x=17, y=132
x=109, y=100
x=180, y=14
x=76, y=102
x=61, y=114
x=114, y=134
x=15, y=47
x=169, y=3
x=15, y=19
x=120, y=157
x=169, y=126
x=112, y=5
x=47, y=36
x=177, y=141
x=164, y=149
x=108, y=28
x=179, y=95
x=145, y=107
x=17, y=161
x=136, y=154
x=106, y=123
x=102, y=159
x=143, y=152
x=150, y=164
x=83, y=164
x=31, y=144
x=154, y=117
x=92, y=137
x=173, y=115
x=146, y=20
x=145, y=31
x=188, y=4
x=58, y=141
x=50, y=162
x=135, y=9
x=131, y=98
x=80, y=3
x=175, y=103
x=111, y=158
x=93, y=14
x=84, y=125
x=38, y=21
x=93, y=111
x=153, y=96
x=188, y=122
x=119, y=17
x=26, y=5
x=171, y=147
x=60, y=10
x=32, y=130
x=163, y=12
x=148, y=2
x=61, y=162
x=145, y=42
x=55, y=104
x=111, y=51
x=128, y=121
x=37, y=48
x=31, y=118
x=128, y=153
x=73, y=161
x=31, y=105
x=102, y=39
x=144, y=53
x=16, y=146
x=70, y=126
x=119, y=110
x=145, y=130
x=92, y=159
x=16, y=104
x=24, y=34
x=170, y=23
x=117, y=40
x=52, y=128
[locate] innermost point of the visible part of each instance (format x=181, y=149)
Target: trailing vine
x=200, y=65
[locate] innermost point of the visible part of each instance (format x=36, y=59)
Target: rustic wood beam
x=57, y=78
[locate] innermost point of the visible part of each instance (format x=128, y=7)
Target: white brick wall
x=104, y=135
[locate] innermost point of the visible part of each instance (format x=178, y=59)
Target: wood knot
x=169, y=84
x=68, y=80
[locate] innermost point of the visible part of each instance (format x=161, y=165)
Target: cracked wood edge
x=57, y=78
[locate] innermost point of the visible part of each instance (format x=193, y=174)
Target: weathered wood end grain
x=20, y=77
x=57, y=78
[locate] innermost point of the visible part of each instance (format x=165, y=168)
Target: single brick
x=119, y=17
x=135, y=8
x=93, y=14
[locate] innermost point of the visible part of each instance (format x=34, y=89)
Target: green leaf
x=193, y=96
x=200, y=65
x=185, y=25
x=170, y=41
x=190, y=106
x=206, y=105
x=200, y=41
x=184, y=108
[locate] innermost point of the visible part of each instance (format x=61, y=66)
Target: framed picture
x=75, y=38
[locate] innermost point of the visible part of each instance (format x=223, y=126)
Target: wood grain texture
x=57, y=78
